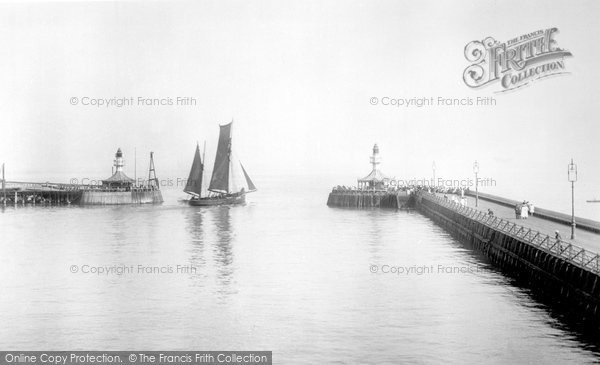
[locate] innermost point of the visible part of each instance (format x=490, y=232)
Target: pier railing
x=565, y=250
x=50, y=186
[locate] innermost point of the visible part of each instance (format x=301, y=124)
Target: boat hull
x=218, y=200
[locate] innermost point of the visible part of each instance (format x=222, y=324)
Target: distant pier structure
x=373, y=190
x=121, y=189
x=563, y=273
x=117, y=189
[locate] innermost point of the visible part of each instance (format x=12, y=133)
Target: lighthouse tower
x=118, y=179
x=376, y=180
x=375, y=159
x=119, y=161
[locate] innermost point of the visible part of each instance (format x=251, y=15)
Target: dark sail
x=251, y=186
x=194, y=182
x=220, y=177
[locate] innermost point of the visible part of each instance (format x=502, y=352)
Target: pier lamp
x=433, y=168
x=476, y=171
x=3, y=186
x=572, y=175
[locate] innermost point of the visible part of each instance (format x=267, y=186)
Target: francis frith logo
x=516, y=62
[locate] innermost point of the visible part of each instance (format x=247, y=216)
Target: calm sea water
x=282, y=273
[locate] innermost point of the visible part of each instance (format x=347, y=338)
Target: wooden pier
x=22, y=193
x=541, y=215
x=34, y=193
x=561, y=271
x=117, y=189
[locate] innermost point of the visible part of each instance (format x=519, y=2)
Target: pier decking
x=19, y=192
x=584, y=238
x=564, y=219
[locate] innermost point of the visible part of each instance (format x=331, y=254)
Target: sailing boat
x=227, y=184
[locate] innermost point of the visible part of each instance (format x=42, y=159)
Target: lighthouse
x=376, y=179
x=375, y=159
x=118, y=179
x=119, y=161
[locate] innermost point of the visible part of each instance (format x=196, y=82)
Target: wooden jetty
x=24, y=193
x=117, y=189
x=561, y=271
x=565, y=273
x=548, y=215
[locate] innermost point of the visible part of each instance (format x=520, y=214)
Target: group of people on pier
x=36, y=198
x=354, y=190
x=524, y=210
x=406, y=188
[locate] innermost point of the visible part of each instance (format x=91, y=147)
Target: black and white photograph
x=299, y=182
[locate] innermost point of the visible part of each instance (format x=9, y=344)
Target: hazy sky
x=297, y=78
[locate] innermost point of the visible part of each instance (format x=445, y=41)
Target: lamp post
x=476, y=171
x=572, y=175
x=3, y=186
x=433, y=167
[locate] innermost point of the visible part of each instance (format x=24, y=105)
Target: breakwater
x=370, y=199
x=120, y=197
x=564, y=274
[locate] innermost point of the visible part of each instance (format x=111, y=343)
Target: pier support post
x=3, y=186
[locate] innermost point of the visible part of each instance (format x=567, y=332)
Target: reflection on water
x=221, y=219
x=222, y=223
x=375, y=235
x=283, y=273
x=194, y=217
x=121, y=218
x=212, y=227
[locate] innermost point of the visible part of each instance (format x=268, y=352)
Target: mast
x=203, y=162
x=3, y=185
x=229, y=157
x=135, y=166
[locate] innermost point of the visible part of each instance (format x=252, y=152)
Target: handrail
x=565, y=250
x=74, y=187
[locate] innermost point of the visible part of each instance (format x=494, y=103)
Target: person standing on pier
x=524, y=211
x=531, y=208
